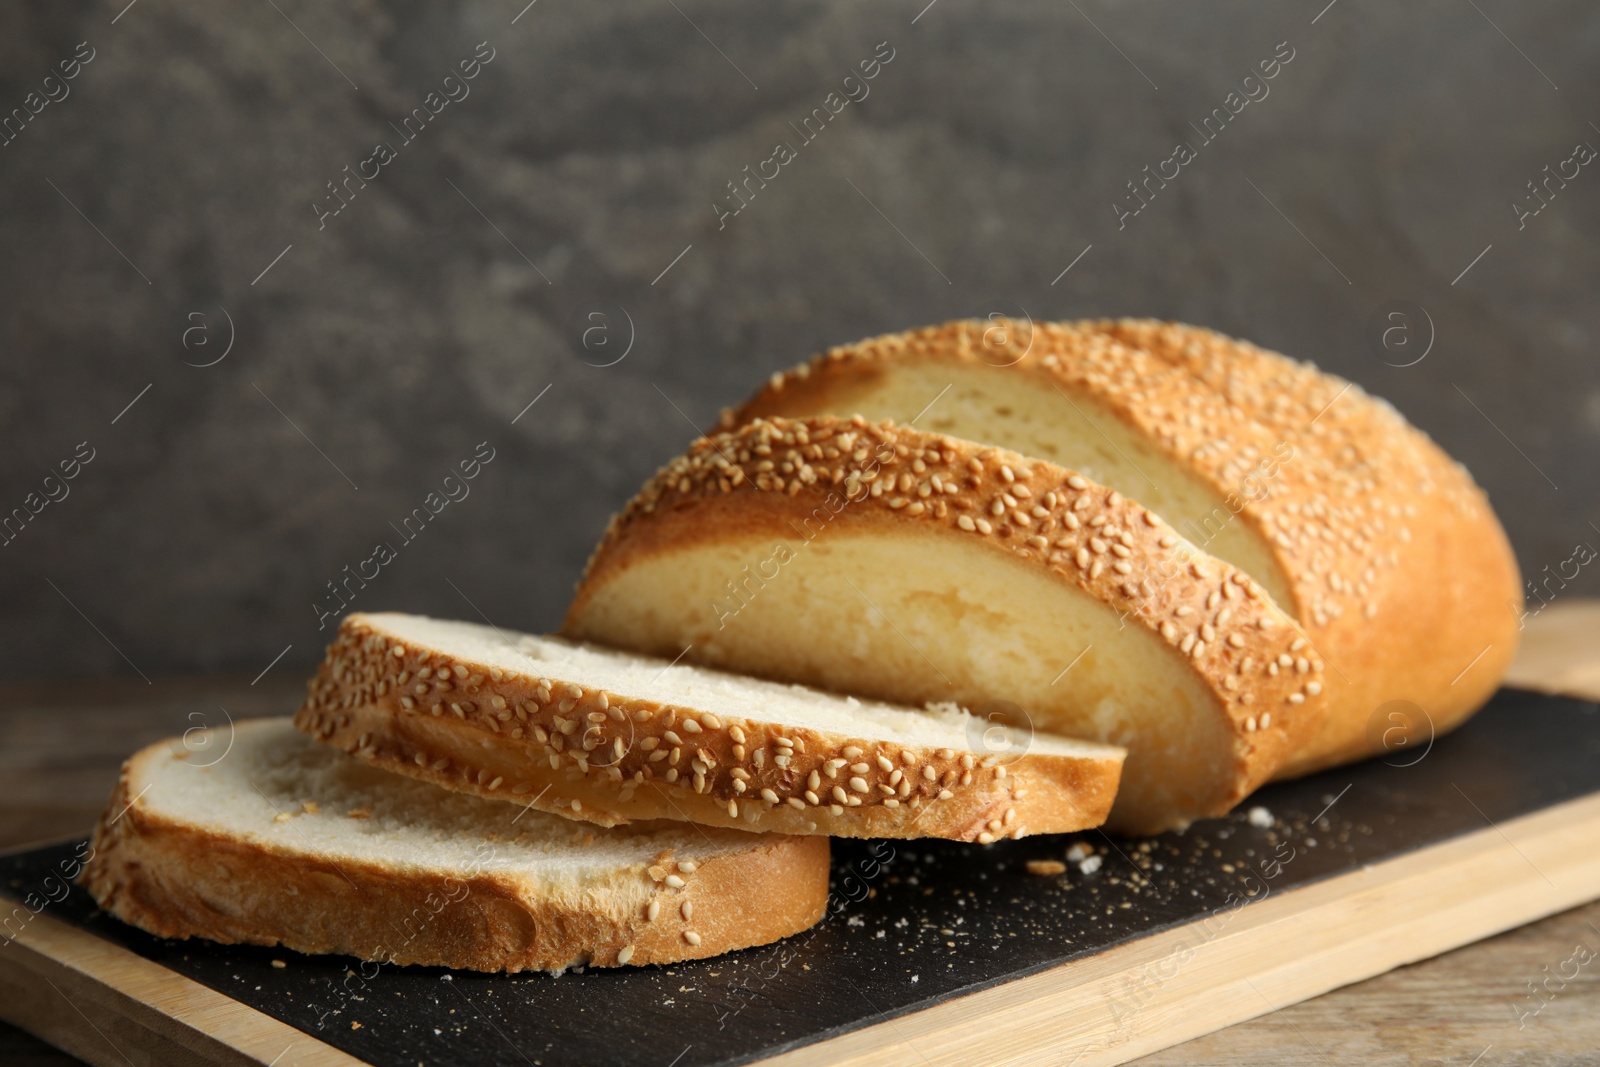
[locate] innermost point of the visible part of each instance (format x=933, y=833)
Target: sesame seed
x=625, y=954
x=686, y=909
x=675, y=882
x=796, y=802
x=691, y=937
x=769, y=796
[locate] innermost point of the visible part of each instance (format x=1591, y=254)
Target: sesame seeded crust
x=570, y=748
x=173, y=875
x=1368, y=534
x=1215, y=626
x=1427, y=579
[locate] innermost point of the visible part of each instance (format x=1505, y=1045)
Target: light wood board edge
x=114, y=1008
x=1560, y=651
x=1286, y=947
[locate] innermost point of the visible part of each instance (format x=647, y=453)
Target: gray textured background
x=596, y=141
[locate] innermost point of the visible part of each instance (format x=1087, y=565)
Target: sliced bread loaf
x=282, y=841
x=916, y=567
x=1360, y=527
x=607, y=737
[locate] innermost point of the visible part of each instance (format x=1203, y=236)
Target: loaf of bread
x=1359, y=526
x=608, y=737
x=282, y=841
x=897, y=563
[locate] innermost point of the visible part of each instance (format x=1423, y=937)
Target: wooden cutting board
x=932, y=953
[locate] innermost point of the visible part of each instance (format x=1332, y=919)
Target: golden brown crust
x=176, y=879
x=1444, y=598
x=1217, y=621
x=605, y=757
x=1398, y=570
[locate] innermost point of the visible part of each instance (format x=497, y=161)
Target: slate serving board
x=910, y=924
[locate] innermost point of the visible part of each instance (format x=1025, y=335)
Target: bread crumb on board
x=1078, y=852
x=1046, y=867
x=1260, y=817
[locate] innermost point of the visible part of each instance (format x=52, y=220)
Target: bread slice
x=608, y=737
x=282, y=841
x=916, y=567
x=1359, y=526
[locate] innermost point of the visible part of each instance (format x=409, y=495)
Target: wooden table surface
x=62, y=742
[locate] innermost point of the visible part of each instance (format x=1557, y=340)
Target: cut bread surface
x=1380, y=546
x=283, y=841
x=606, y=736
x=1000, y=406
x=918, y=567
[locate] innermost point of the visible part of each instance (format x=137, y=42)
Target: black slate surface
x=910, y=923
